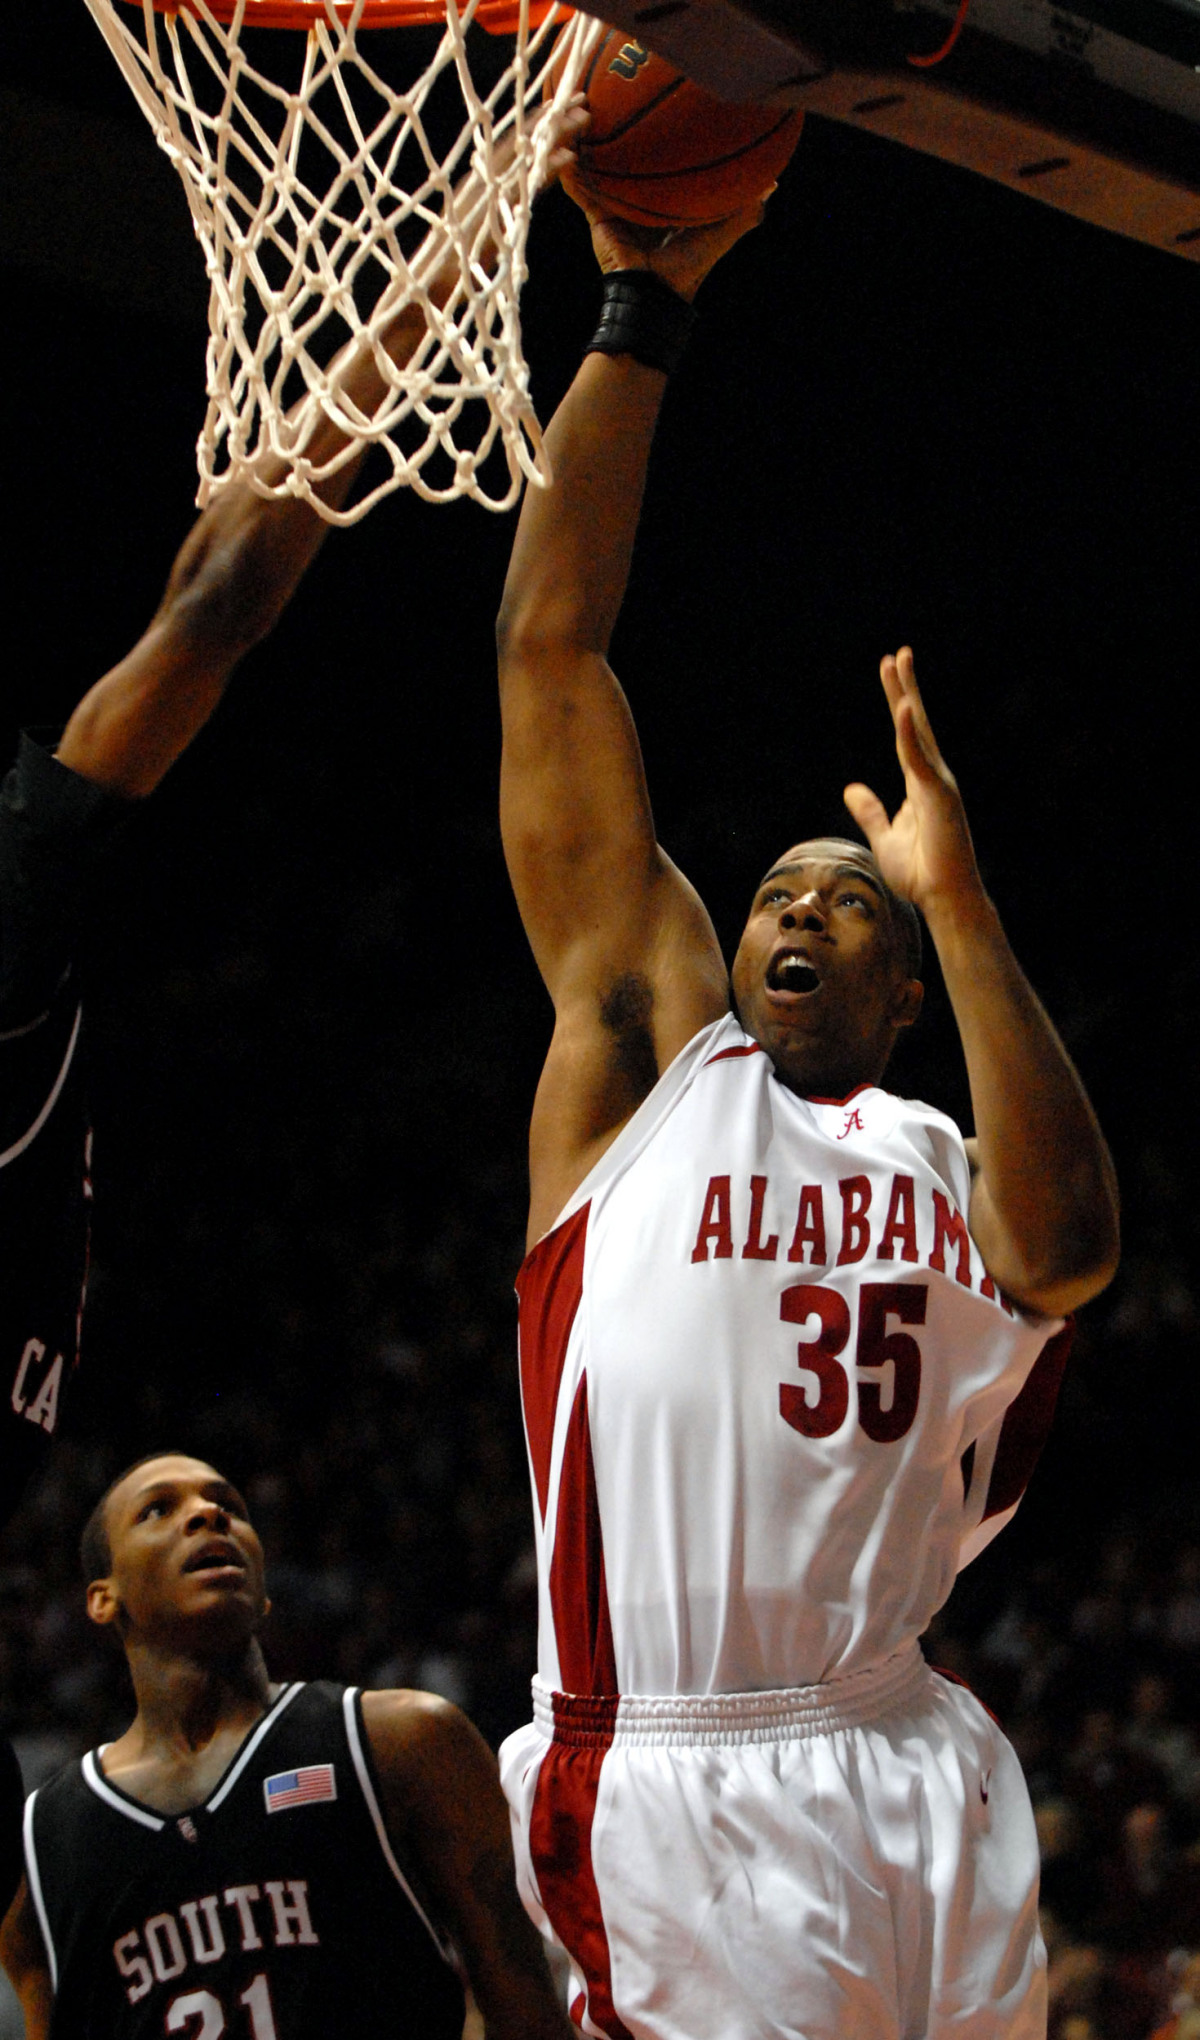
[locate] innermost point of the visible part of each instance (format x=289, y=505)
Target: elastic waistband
x=856, y=1701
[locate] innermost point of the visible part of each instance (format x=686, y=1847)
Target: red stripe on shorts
x=549, y=1287
x=560, y=1843
x=564, y=1806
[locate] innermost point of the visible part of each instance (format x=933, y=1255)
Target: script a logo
x=853, y=1124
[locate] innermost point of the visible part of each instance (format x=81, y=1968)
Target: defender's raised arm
x=626, y=948
x=234, y=575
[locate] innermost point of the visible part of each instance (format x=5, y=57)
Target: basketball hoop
x=329, y=201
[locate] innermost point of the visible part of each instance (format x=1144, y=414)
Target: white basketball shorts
x=849, y=1861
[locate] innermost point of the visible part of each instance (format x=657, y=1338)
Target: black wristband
x=641, y=315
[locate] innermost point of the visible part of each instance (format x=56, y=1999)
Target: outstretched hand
x=925, y=851
x=682, y=257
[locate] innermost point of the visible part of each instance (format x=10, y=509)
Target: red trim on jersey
x=756, y=1048
x=1027, y=1423
x=560, y=1843
x=549, y=1287
x=855, y=1093
x=578, y=1592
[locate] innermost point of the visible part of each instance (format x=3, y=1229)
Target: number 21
x=202, y=2006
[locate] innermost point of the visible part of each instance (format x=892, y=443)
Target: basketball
x=665, y=153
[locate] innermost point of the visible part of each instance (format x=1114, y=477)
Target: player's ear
x=908, y=1001
x=102, y=1603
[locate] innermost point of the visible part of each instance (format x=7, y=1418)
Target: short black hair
x=95, y=1546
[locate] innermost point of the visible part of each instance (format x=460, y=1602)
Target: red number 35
x=887, y=1403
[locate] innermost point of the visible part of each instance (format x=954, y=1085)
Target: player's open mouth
x=791, y=972
x=216, y=1558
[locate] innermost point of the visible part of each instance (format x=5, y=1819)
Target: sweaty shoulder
x=424, y=1747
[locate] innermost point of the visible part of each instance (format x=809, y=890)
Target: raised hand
x=925, y=851
x=682, y=257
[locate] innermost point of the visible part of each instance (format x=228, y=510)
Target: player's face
x=819, y=976
x=186, y=1560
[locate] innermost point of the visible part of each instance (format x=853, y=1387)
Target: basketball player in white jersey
x=281, y=1862
x=788, y=1343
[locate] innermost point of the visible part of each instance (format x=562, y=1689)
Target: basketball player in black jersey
x=232, y=579
x=58, y=816
x=267, y=1862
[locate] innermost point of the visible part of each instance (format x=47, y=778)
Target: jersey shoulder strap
x=363, y=1760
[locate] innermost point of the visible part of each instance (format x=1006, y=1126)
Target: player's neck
x=810, y=1078
x=192, y=1712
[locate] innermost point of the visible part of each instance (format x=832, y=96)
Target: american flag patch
x=299, y=1788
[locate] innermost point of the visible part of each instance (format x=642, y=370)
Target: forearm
x=573, y=796
x=235, y=575
x=574, y=544
x=1044, y=1212
x=231, y=580
x=570, y=563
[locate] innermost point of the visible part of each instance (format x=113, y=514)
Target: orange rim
x=499, y=17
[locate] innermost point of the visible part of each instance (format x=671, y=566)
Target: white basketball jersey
x=765, y=1380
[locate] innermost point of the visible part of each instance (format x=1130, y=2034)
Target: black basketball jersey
x=53, y=827
x=275, y=1911
x=45, y=1199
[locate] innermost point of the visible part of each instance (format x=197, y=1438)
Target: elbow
x=230, y=606
x=1099, y=1241
x=1069, y=1292
x=231, y=581
x=1081, y=1250
x=507, y=630
x=1097, y=1269
x=522, y=638
x=543, y=630
x=1081, y=1270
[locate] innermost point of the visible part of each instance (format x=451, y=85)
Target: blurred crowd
x=320, y=1301
x=1094, y=1670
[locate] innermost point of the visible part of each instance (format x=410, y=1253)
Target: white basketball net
x=323, y=197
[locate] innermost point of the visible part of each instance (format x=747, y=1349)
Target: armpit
x=626, y=1012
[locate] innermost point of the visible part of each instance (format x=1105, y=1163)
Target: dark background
x=917, y=408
